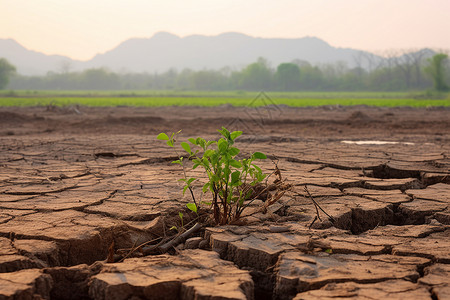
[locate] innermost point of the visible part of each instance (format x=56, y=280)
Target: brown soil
x=81, y=185
x=417, y=125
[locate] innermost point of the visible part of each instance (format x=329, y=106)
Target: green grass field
x=239, y=98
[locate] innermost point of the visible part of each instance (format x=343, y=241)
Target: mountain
x=164, y=51
x=28, y=62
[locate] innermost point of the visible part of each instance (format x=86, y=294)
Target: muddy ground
x=80, y=186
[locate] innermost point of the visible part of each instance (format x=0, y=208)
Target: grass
x=196, y=98
x=210, y=94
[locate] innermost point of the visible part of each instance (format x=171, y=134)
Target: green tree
x=256, y=76
x=311, y=78
x=6, y=70
x=99, y=79
x=436, y=69
x=208, y=80
x=288, y=76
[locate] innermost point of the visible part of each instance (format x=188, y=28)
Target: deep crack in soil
x=77, y=190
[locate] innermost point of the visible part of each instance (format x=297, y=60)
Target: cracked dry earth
x=76, y=184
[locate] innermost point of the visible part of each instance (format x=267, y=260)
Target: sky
x=80, y=29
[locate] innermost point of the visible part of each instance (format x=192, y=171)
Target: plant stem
x=185, y=176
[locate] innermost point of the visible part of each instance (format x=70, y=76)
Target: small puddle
x=375, y=143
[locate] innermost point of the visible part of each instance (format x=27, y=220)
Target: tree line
x=411, y=71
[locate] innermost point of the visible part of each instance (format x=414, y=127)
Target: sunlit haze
x=82, y=28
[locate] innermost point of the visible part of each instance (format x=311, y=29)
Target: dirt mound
x=359, y=116
x=12, y=117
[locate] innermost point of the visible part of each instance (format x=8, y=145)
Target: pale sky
x=82, y=28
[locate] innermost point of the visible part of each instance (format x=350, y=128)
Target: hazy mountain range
x=164, y=51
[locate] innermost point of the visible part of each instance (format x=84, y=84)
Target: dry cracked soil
x=87, y=193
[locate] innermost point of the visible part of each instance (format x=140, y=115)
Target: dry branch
x=179, y=238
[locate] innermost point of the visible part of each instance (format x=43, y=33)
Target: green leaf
x=180, y=214
x=205, y=162
x=214, y=178
x=185, y=188
x=229, y=197
x=226, y=173
x=162, y=136
x=209, y=143
x=186, y=147
x=224, y=132
x=259, y=155
x=192, y=207
x=192, y=140
x=205, y=187
x=233, y=151
x=190, y=180
x=235, y=163
x=235, y=134
x=174, y=228
x=214, y=158
x=201, y=142
x=169, y=143
x=208, y=153
x=329, y=251
x=235, y=177
x=257, y=168
x=178, y=161
x=222, y=144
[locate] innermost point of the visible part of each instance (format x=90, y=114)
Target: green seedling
x=180, y=214
x=229, y=181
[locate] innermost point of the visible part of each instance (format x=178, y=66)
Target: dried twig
x=151, y=249
x=140, y=248
x=312, y=223
x=317, y=206
x=278, y=185
x=111, y=252
x=179, y=238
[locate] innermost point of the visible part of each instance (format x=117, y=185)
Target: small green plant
x=181, y=215
x=230, y=181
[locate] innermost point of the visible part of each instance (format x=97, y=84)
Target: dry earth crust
x=77, y=185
